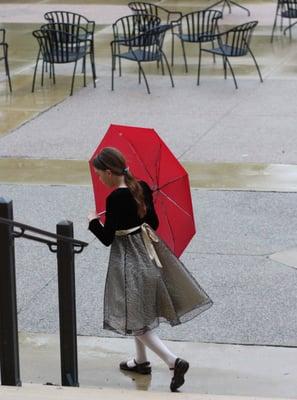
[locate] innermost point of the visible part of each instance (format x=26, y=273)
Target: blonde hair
x=112, y=159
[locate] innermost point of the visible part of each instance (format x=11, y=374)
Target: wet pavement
x=250, y=370
x=240, y=148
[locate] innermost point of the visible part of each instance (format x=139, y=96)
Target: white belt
x=148, y=236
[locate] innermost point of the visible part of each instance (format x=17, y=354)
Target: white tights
x=154, y=343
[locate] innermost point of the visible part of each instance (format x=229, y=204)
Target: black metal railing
x=65, y=246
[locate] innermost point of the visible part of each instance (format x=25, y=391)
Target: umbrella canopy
x=149, y=159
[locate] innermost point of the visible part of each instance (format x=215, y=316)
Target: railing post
x=9, y=344
x=67, y=308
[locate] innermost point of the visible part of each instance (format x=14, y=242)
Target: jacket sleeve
x=105, y=233
x=151, y=216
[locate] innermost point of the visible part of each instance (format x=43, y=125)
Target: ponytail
x=136, y=191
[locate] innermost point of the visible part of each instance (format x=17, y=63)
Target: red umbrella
x=149, y=159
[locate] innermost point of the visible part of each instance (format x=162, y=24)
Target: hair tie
x=125, y=170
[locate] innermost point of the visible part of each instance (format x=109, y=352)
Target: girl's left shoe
x=180, y=368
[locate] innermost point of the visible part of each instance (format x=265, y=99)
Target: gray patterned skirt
x=139, y=295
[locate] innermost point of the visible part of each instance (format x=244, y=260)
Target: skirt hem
x=186, y=317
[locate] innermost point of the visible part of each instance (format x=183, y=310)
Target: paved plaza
x=240, y=148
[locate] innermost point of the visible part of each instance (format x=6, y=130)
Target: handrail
x=23, y=227
x=66, y=247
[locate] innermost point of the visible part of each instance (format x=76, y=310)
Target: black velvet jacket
x=121, y=213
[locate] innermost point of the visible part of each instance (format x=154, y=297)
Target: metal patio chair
x=285, y=9
x=146, y=47
x=233, y=43
x=198, y=27
x=64, y=18
x=4, y=55
x=130, y=26
x=167, y=17
x=62, y=46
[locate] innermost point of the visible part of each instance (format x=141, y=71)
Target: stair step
x=44, y=392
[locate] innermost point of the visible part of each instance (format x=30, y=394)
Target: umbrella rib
x=175, y=203
x=171, y=231
x=169, y=182
x=139, y=159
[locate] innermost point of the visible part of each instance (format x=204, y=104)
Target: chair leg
x=170, y=74
x=42, y=73
x=273, y=28
x=54, y=75
x=172, y=47
x=7, y=67
x=256, y=64
x=213, y=54
x=184, y=55
x=139, y=75
x=142, y=71
x=35, y=70
x=113, y=67
x=162, y=66
x=112, y=73
x=231, y=69
x=92, y=59
x=72, y=83
x=289, y=27
x=225, y=67
x=84, y=71
x=199, y=65
x=120, y=62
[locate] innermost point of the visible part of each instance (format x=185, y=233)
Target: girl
x=145, y=284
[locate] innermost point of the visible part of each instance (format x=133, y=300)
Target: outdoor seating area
x=151, y=33
x=68, y=37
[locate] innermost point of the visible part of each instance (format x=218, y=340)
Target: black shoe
x=143, y=368
x=180, y=368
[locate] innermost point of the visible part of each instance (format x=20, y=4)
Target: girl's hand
x=92, y=215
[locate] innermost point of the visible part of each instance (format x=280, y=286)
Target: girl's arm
x=105, y=233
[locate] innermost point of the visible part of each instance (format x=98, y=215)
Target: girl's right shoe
x=142, y=368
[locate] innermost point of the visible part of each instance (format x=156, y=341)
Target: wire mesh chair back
x=131, y=26
x=66, y=17
x=64, y=45
x=288, y=8
x=236, y=41
x=139, y=7
x=149, y=44
x=199, y=25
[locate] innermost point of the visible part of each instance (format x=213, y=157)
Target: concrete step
x=42, y=392
x=215, y=369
